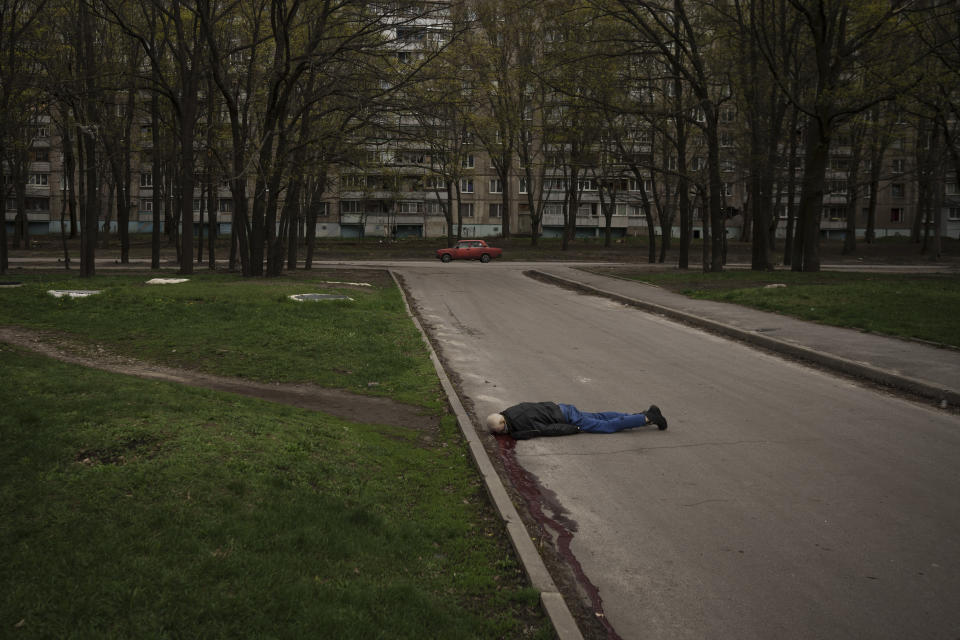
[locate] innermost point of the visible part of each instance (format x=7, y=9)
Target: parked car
x=469, y=250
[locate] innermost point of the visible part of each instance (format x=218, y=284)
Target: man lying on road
x=531, y=419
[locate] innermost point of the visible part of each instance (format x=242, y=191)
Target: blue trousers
x=603, y=421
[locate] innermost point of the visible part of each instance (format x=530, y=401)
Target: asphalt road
x=783, y=502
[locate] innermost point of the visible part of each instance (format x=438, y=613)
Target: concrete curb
x=842, y=365
x=550, y=598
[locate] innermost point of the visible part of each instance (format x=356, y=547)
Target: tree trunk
x=807, y=252
x=187, y=136
x=63, y=233
x=20, y=234
x=871, y=231
x=204, y=190
x=504, y=173
x=123, y=202
x=316, y=191
x=573, y=204
x=853, y=193
x=718, y=232
x=90, y=213
x=212, y=225
x=69, y=174
x=791, y=192
x=155, y=199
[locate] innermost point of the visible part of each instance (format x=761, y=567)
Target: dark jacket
x=532, y=419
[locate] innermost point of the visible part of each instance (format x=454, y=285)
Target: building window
x=351, y=206
x=954, y=213
x=586, y=184
x=951, y=189
x=39, y=179
x=146, y=179
x=898, y=165
x=466, y=185
x=410, y=157
x=496, y=210
x=555, y=184
x=409, y=207
x=466, y=210
x=838, y=186
x=523, y=185
x=41, y=155
x=32, y=204
x=225, y=205
x=146, y=205
x=896, y=214
x=728, y=188
x=839, y=163
x=354, y=182
x=554, y=209
x=410, y=34
x=643, y=136
x=468, y=162
x=496, y=186
x=897, y=190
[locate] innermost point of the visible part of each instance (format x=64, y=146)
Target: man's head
x=496, y=423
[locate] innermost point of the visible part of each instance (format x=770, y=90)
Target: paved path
x=925, y=370
x=782, y=502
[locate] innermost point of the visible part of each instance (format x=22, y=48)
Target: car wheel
x=446, y=257
x=485, y=257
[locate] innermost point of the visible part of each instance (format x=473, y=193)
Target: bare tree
x=20, y=103
x=687, y=39
x=840, y=40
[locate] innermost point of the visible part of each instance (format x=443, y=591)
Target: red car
x=469, y=250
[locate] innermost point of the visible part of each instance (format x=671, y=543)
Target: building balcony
x=556, y=220
x=382, y=218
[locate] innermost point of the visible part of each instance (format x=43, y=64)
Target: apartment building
x=396, y=195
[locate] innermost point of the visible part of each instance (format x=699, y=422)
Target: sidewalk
x=914, y=368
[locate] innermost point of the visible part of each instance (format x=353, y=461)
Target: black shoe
x=655, y=417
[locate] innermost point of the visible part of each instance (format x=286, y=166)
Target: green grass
x=142, y=509
x=249, y=328
x=924, y=307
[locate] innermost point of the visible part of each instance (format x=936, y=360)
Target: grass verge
x=923, y=307
x=249, y=328
x=134, y=508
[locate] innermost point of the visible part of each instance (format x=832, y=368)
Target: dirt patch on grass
x=342, y=404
